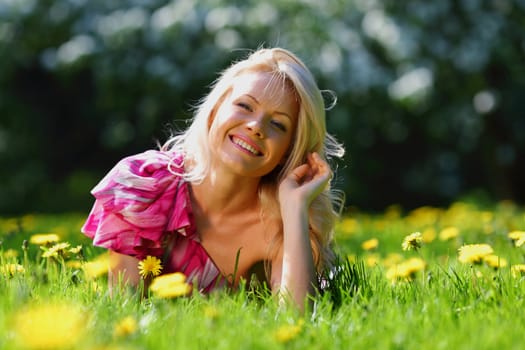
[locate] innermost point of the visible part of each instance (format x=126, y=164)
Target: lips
x=246, y=145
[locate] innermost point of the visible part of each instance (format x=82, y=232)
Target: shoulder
x=144, y=171
x=137, y=202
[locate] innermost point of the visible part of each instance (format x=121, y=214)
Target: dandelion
x=370, y=244
x=44, y=238
x=428, y=235
x=97, y=267
x=57, y=250
x=474, y=253
x=412, y=241
x=150, y=266
x=391, y=259
x=517, y=270
x=76, y=250
x=518, y=237
x=170, y=285
x=10, y=253
x=372, y=259
x=125, y=327
x=288, y=332
x=494, y=261
x=405, y=270
x=10, y=270
x=50, y=326
x=448, y=233
x=348, y=226
x=74, y=264
x=211, y=312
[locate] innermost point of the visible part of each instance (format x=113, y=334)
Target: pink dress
x=142, y=207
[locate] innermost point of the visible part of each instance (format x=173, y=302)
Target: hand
x=305, y=182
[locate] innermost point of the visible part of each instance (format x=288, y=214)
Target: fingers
x=320, y=167
x=315, y=169
x=300, y=172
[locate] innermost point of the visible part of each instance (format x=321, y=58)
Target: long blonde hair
x=310, y=136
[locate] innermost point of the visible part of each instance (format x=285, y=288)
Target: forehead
x=267, y=88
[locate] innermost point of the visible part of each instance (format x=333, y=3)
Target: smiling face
x=253, y=126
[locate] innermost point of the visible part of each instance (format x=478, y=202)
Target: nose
x=255, y=126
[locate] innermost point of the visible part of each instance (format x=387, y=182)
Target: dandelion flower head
x=150, y=266
x=412, y=241
x=474, y=253
x=448, y=233
x=127, y=326
x=44, y=238
x=170, y=285
x=518, y=237
x=370, y=244
x=286, y=333
x=49, y=326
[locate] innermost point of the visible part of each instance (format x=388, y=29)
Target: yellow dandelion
x=494, y=261
x=58, y=249
x=406, y=270
x=448, y=233
x=9, y=225
x=288, y=332
x=125, y=327
x=428, y=235
x=518, y=237
x=49, y=326
x=171, y=285
x=517, y=270
x=150, y=266
x=10, y=253
x=44, y=238
x=412, y=241
x=97, y=267
x=74, y=264
x=10, y=270
x=211, y=312
x=391, y=259
x=76, y=250
x=372, y=260
x=348, y=226
x=370, y=244
x=474, y=253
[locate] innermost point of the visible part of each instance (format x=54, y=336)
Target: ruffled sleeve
x=138, y=203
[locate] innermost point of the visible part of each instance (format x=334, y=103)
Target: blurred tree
x=430, y=94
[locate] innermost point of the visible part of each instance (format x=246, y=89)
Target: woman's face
x=254, y=125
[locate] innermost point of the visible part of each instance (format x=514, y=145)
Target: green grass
x=446, y=305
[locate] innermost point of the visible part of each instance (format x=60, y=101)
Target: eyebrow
x=275, y=112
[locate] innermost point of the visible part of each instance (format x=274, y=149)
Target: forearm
x=123, y=270
x=298, y=272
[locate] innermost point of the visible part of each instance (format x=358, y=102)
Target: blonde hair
x=310, y=136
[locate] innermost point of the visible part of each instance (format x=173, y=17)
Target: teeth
x=245, y=146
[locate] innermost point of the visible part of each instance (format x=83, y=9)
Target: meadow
x=433, y=278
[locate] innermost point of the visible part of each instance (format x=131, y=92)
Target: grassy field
x=432, y=278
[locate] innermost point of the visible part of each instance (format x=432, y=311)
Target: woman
x=247, y=182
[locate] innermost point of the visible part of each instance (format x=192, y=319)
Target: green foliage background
x=430, y=94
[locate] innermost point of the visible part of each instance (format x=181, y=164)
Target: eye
x=245, y=106
x=278, y=125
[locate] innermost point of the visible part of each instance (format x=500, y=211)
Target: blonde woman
x=247, y=183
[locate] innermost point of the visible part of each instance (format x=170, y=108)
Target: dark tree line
x=430, y=94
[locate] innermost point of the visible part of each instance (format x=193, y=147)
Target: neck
x=223, y=195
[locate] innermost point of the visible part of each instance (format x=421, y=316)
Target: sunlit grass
x=437, y=278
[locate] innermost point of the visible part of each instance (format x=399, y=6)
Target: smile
x=245, y=146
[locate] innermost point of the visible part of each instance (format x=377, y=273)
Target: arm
x=123, y=270
x=297, y=275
